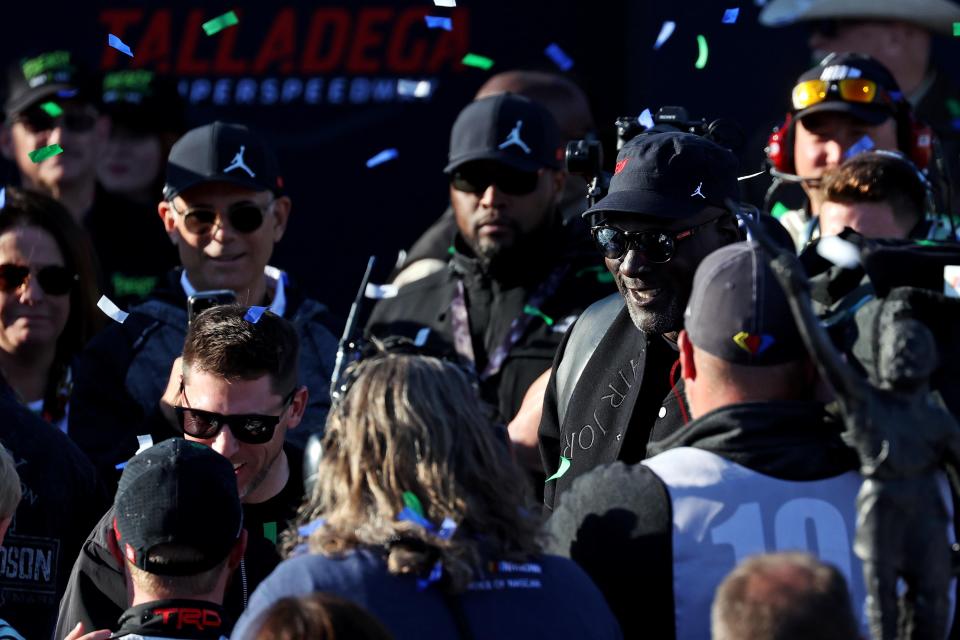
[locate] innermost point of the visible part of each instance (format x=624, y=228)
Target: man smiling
x=611, y=388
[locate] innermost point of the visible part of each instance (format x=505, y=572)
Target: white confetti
x=646, y=119
x=665, y=32
x=106, y=305
x=752, y=175
x=445, y=3
x=839, y=252
x=951, y=281
x=145, y=441
x=380, y=291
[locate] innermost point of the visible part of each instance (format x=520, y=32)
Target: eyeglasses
x=252, y=428
x=245, y=217
x=53, y=279
x=476, y=179
x=657, y=246
x=811, y=92
x=37, y=120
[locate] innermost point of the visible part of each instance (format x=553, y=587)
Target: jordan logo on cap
x=697, y=191
x=514, y=138
x=238, y=163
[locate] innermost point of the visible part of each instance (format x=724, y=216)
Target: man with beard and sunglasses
x=224, y=209
x=236, y=389
x=614, y=383
x=516, y=277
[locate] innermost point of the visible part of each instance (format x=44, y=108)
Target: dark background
x=343, y=211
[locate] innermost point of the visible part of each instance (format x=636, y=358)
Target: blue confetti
x=435, y=574
x=665, y=32
x=409, y=515
x=384, y=156
x=254, y=314
x=730, y=15
x=646, y=119
x=861, y=145
x=67, y=93
x=118, y=44
x=3, y=197
x=439, y=22
x=120, y=466
x=447, y=528
x=306, y=530
x=559, y=57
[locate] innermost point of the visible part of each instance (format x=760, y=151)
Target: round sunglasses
x=657, y=246
x=244, y=217
x=53, y=279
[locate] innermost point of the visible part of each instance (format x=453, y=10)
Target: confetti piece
x=861, y=145
x=564, y=466
x=445, y=3
x=413, y=502
x=118, y=44
x=310, y=527
x=52, y=109
x=953, y=105
x=144, y=441
x=447, y=528
x=3, y=197
x=67, y=93
x=409, y=515
x=439, y=22
x=951, y=281
x=254, y=314
x=704, y=52
x=779, y=209
x=270, y=531
x=422, y=336
x=533, y=311
x=414, y=88
x=41, y=154
x=435, y=574
x=752, y=175
x=220, y=23
x=480, y=62
x=380, y=291
x=838, y=251
x=384, y=156
x=646, y=119
x=120, y=466
x=106, y=305
x=956, y=28
x=559, y=57
x=665, y=32
x=730, y=15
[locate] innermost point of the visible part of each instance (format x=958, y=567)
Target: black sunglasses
x=656, y=246
x=252, y=428
x=53, y=279
x=476, y=179
x=245, y=217
x=36, y=120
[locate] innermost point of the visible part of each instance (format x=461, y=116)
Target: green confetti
x=533, y=311
x=953, y=105
x=270, y=531
x=564, y=466
x=411, y=500
x=220, y=23
x=473, y=60
x=704, y=52
x=41, y=154
x=778, y=210
x=52, y=108
x=956, y=28
x=451, y=250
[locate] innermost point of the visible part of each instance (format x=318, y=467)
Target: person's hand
x=78, y=634
x=171, y=397
x=523, y=428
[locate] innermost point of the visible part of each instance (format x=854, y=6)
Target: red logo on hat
x=620, y=166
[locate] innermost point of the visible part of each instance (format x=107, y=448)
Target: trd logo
x=200, y=619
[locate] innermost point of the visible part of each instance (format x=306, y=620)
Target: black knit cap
x=180, y=493
x=738, y=311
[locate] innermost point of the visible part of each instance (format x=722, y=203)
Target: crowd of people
x=565, y=417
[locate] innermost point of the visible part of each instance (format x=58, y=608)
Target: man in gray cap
x=760, y=468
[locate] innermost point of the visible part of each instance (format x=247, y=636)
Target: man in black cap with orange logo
x=517, y=277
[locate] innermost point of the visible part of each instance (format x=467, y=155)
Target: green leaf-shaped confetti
x=562, y=469
x=411, y=500
x=41, y=154
x=220, y=23
x=778, y=210
x=480, y=62
x=52, y=109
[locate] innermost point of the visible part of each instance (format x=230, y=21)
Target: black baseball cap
x=738, y=311
x=48, y=75
x=670, y=175
x=840, y=66
x=142, y=100
x=180, y=493
x=505, y=128
x=221, y=152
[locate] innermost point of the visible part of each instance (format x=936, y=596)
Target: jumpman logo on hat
x=514, y=138
x=238, y=163
x=697, y=191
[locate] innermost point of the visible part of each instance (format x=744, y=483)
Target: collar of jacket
x=539, y=256
x=170, y=291
x=176, y=618
x=787, y=440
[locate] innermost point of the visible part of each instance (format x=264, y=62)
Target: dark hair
x=878, y=177
x=24, y=208
x=222, y=342
x=783, y=596
x=319, y=616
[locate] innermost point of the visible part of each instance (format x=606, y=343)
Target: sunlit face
x=258, y=467
x=131, y=161
x=30, y=318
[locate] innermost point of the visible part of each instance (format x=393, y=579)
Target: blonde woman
x=420, y=516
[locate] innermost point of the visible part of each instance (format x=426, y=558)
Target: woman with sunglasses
x=420, y=516
x=47, y=306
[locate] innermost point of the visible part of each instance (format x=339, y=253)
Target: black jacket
x=493, y=301
x=122, y=374
x=61, y=501
x=184, y=619
x=616, y=522
x=96, y=593
x=622, y=399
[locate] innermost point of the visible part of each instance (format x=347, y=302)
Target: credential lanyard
x=518, y=327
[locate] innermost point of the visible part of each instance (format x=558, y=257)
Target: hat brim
x=180, y=179
x=870, y=114
x=646, y=202
x=509, y=159
x=936, y=16
x=31, y=97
